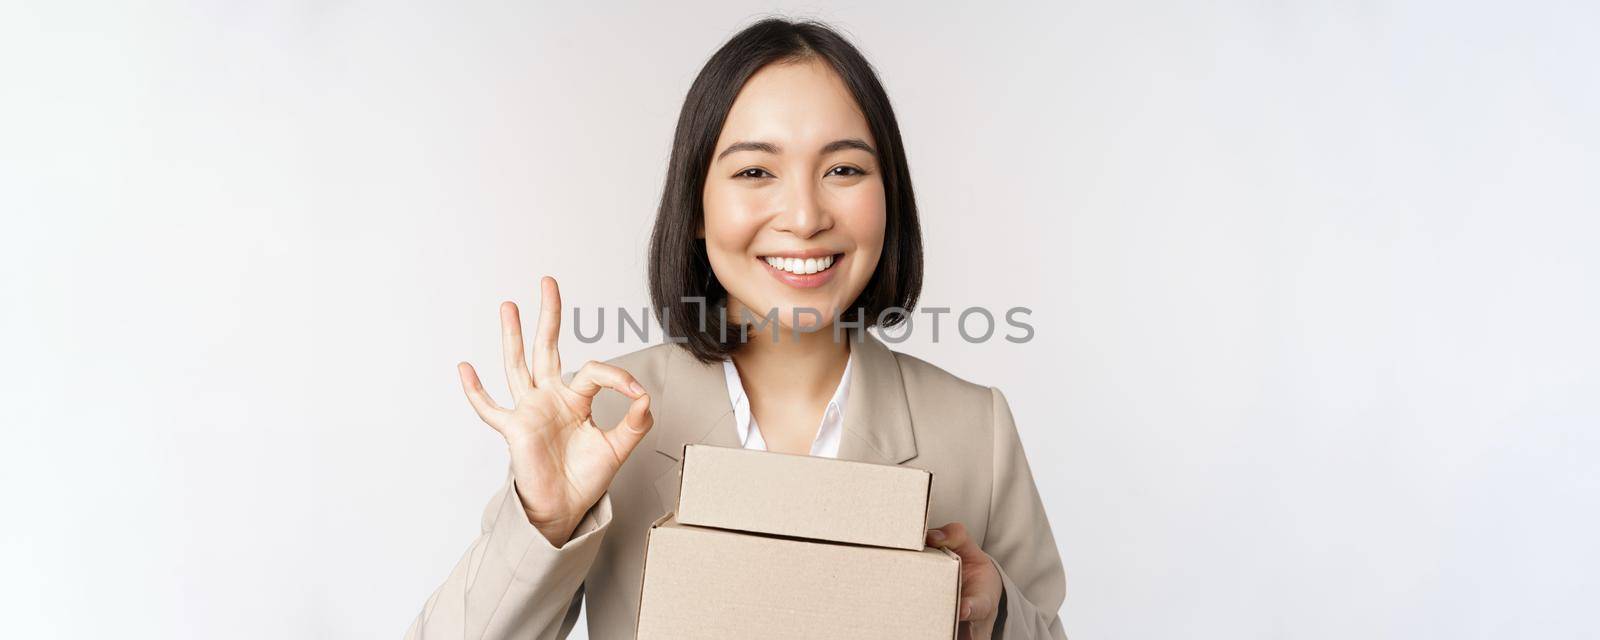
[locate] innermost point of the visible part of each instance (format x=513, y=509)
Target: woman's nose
x=803, y=213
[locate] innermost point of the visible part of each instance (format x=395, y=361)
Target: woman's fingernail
x=936, y=535
x=966, y=611
x=635, y=388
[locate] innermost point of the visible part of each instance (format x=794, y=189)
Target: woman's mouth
x=802, y=271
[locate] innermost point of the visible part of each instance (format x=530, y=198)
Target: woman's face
x=794, y=204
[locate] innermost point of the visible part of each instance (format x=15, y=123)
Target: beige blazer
x=512, y=583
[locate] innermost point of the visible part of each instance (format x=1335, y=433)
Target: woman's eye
x=752, y=172
x=846, y=171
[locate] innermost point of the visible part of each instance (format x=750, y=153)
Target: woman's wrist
x=558, y=532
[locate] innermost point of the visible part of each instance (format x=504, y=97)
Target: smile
x=800, y=266
x=802, y=271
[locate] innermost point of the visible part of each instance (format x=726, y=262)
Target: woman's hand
x=980, y=581
x=562, y=463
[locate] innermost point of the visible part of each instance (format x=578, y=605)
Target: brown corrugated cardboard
x=712, y=584
x=804, y=496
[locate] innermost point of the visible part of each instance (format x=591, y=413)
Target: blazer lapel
x=877, y=418
x=694, y=409
x=694, y=405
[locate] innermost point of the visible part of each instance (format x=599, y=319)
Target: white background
x=1314, y=290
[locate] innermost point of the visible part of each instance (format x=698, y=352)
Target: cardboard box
x=804, y=496
x=709, y=583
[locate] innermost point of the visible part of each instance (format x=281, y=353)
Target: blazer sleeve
x=512, y=583
x=1020, y=542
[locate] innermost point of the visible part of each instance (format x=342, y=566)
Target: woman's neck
x=809, y=364
x=790, y=380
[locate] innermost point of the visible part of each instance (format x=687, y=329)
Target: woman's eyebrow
x=768, y=147
x=848, y=143
x=746, y=145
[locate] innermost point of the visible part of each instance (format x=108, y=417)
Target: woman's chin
x=792, y=318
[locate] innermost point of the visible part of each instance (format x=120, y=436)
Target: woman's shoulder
x=938, y=396
x=958, y=423
x=649, y=363
x=932, y=378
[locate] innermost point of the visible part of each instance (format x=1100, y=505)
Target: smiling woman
x=787, y=151
x=787, y=194
x=793, y=210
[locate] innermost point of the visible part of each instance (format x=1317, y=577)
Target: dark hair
x=678, y=264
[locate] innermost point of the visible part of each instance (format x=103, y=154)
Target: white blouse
x=826, y=443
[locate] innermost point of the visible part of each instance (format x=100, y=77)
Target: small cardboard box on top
x=772, y=545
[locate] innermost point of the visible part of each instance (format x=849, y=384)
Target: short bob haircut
x=687, y=299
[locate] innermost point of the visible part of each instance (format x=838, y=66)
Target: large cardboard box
x=709, y=583
x=804, y=496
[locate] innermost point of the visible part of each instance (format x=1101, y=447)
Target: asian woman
x=787, y=190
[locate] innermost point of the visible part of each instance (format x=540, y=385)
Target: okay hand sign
x=562, y=463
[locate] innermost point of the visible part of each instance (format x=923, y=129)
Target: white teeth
x=800, y=266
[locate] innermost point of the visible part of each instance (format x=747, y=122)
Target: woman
x=787, y=191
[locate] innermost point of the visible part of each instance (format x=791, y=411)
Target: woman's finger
x=546, y=357
x=952, y=536
x=516, y=361
x=979, y=597
x=976, y=609
x=627, y=434
x=478, y=398
x=596, y=375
